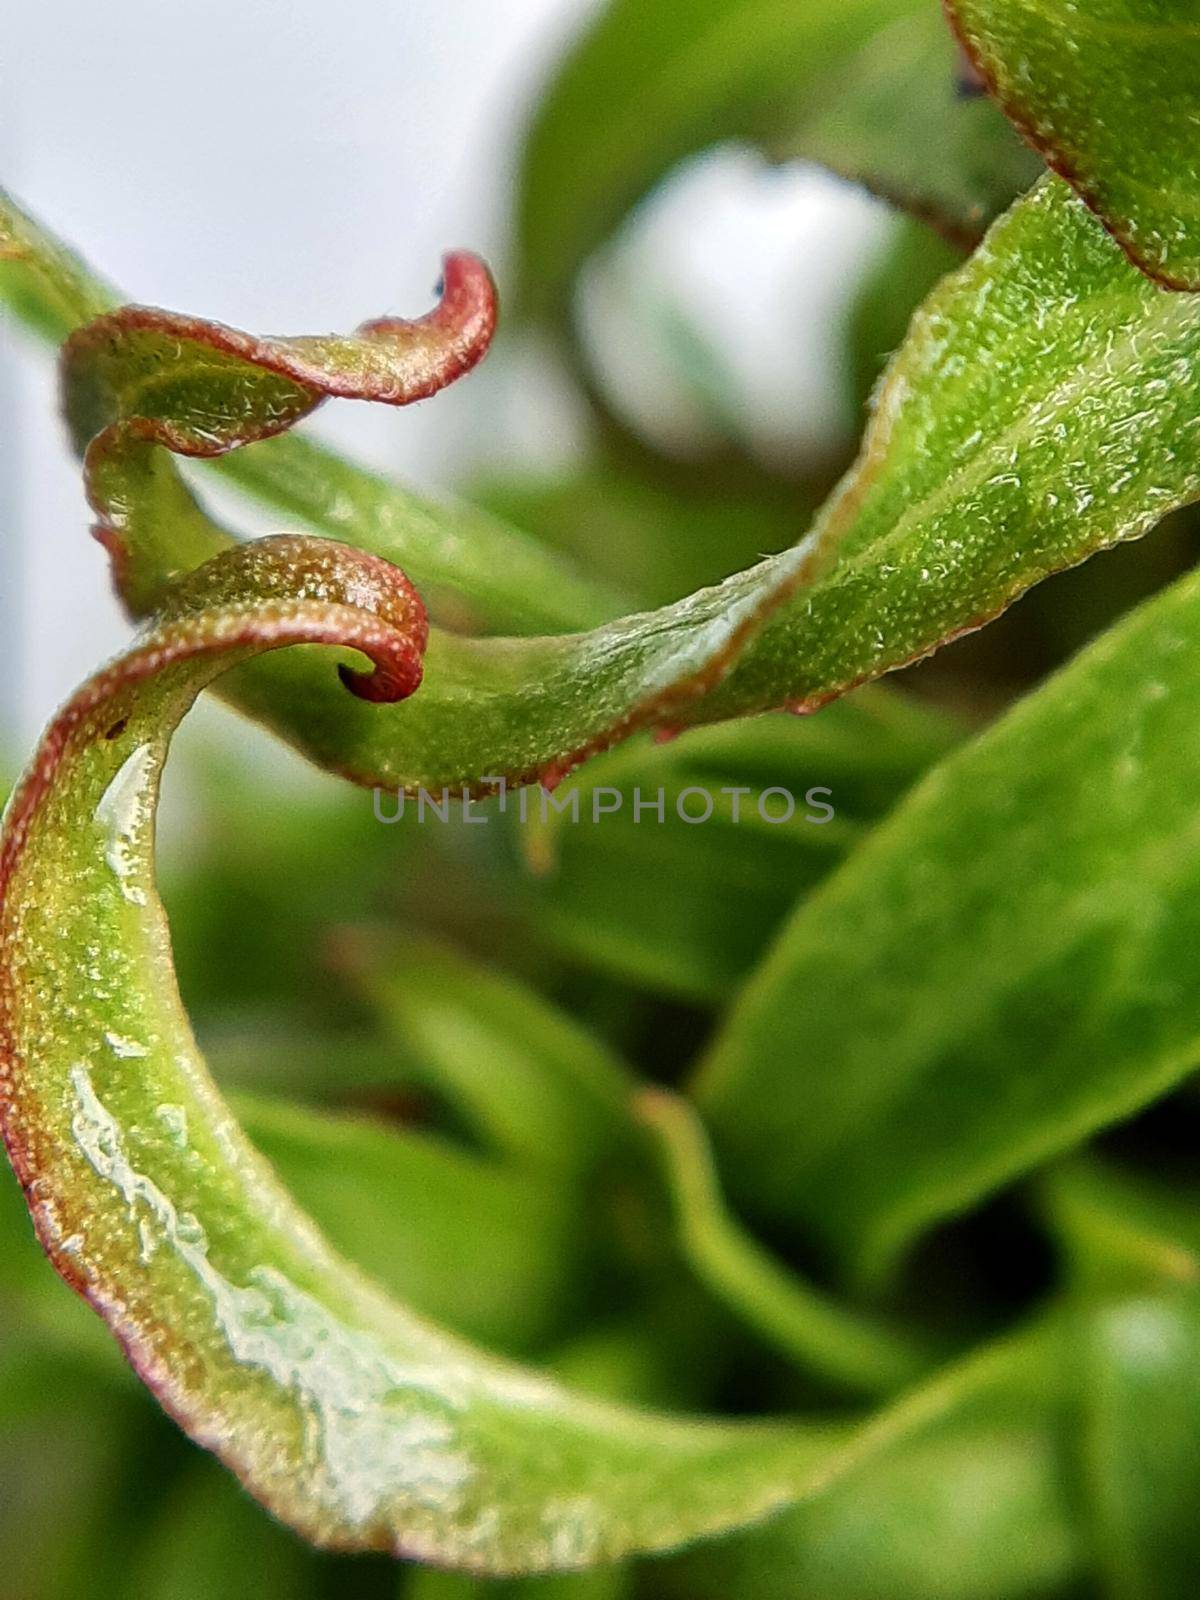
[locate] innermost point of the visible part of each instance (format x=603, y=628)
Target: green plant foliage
x=688, y=906
x=350, y=1418
x=814, y=1332
x=657, y=534
x=739, y=1206
x=511, y=581
x=405, y=1202
x=977, y=478
x=1114, y=111
x=531, y=1085
x=971, y=1502
x=1059, y=940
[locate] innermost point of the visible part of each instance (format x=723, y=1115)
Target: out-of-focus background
x=294, y=167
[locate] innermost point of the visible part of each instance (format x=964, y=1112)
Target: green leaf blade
x=1107, y=93
x=1045, y=877
x=1039, y=411
x=357, y=1422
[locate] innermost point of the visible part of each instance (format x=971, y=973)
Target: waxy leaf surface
x=1109, y=92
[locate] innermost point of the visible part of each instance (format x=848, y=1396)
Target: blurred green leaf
x=534, y=1086
x=909, y=267
x=1108, y=93
x=867, y=86
x=687, y=907
x=603, y=1583
x=1134, y=1241
x=1142, y=1469
x=462, y=1240
x=1005, y=965
x=65, y=1440
x=894, y=116
x=207, y=1539
x=831, y=1340
x=478, y=572
x=657, y=534
x=1123, y=1229
x=970, y=1503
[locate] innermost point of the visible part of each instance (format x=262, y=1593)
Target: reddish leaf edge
x=1059, y=159
x=460, y=330
x=277, y=592
x=420, y=357
x=110, y=412
x=381, y=616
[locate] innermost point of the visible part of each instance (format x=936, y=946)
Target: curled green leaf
x=1038, y=411
x=353, y=1419
x=186, y=383
x=472, y=567
x=138, y=380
